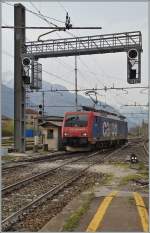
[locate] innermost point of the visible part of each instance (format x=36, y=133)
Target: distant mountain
x=54, y=98
x=135, y=115
x=7, y=79
x=7, y=101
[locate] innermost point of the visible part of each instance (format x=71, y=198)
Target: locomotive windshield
x=76, y=120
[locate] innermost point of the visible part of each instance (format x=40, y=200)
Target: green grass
x=74, y=219
x=125, y=180
x=8, y=158
x=123, y=165
x=142, y=167
x=107, y=178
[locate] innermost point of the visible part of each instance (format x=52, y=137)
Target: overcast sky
x=93, y=70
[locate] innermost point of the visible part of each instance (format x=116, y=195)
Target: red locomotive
x=93, y=129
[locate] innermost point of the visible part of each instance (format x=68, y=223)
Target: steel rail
x=15, y=166
x=21, y=183
x=23, y=211
x=32, y=160
x=42, y=198
x=37, y=202
x=145, y=149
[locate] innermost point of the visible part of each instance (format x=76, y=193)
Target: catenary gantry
x=109, y=43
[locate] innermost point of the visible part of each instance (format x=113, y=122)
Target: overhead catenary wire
x=83, y=90
x=94, y=89
x=41, y=16
x=47, y=72
x=86, y=89
x=66, y=10
x=46, y=20
x=37, y=14
x=61, y=5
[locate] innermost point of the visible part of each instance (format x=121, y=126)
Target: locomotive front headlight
x=84, y=134
x=66, y=134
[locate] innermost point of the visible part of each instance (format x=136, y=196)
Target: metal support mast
x=76, y=87
x=19, y=88
x=43, y=103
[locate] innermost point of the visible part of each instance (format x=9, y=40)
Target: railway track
x=17, y=218
x=26, y=172
x=26, y=181
x=26, y=162
x=22, y=192
x=146, y=150
x=14, y=217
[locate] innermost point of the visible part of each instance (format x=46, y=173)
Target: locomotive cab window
x=77, y=120
x=50, y=134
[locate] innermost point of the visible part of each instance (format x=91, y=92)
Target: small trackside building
x=51, y=134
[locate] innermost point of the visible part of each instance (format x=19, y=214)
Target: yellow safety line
x=142, y=211
x=95, y=222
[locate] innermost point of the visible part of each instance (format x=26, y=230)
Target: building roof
x=31, y=111
x=53, y=118
x=6, y=117
x=51, y=123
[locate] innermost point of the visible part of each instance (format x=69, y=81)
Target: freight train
x=93, y=129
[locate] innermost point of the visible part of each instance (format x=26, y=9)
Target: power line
x=55, y=106
x=86, y=89
x=135, y=105
x=134, y=113
x=37, y=14
x=61, y=5
x=42, y=27
x=47, y=72
x=41, y=15
x=57, y=76
x=92, y=89
x=47, y=20
x=92, y=73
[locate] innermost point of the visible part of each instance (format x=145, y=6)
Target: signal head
x=40, y=112
x=132, y=53
x=26, y=61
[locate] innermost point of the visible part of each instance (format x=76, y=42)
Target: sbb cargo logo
x=109, y=129
x=105, y=129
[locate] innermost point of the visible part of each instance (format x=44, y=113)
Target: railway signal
x=26, y=67
x=26, y=62
x=40, y=109
x=133, y=66
x=133, y=158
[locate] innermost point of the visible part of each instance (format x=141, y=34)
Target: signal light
x=132, y=53
x=40, y=120
x=40, y=106
x=133, y=74
x=26, y=61
x=133, y=66
x=26, y=79
x=40, y=112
